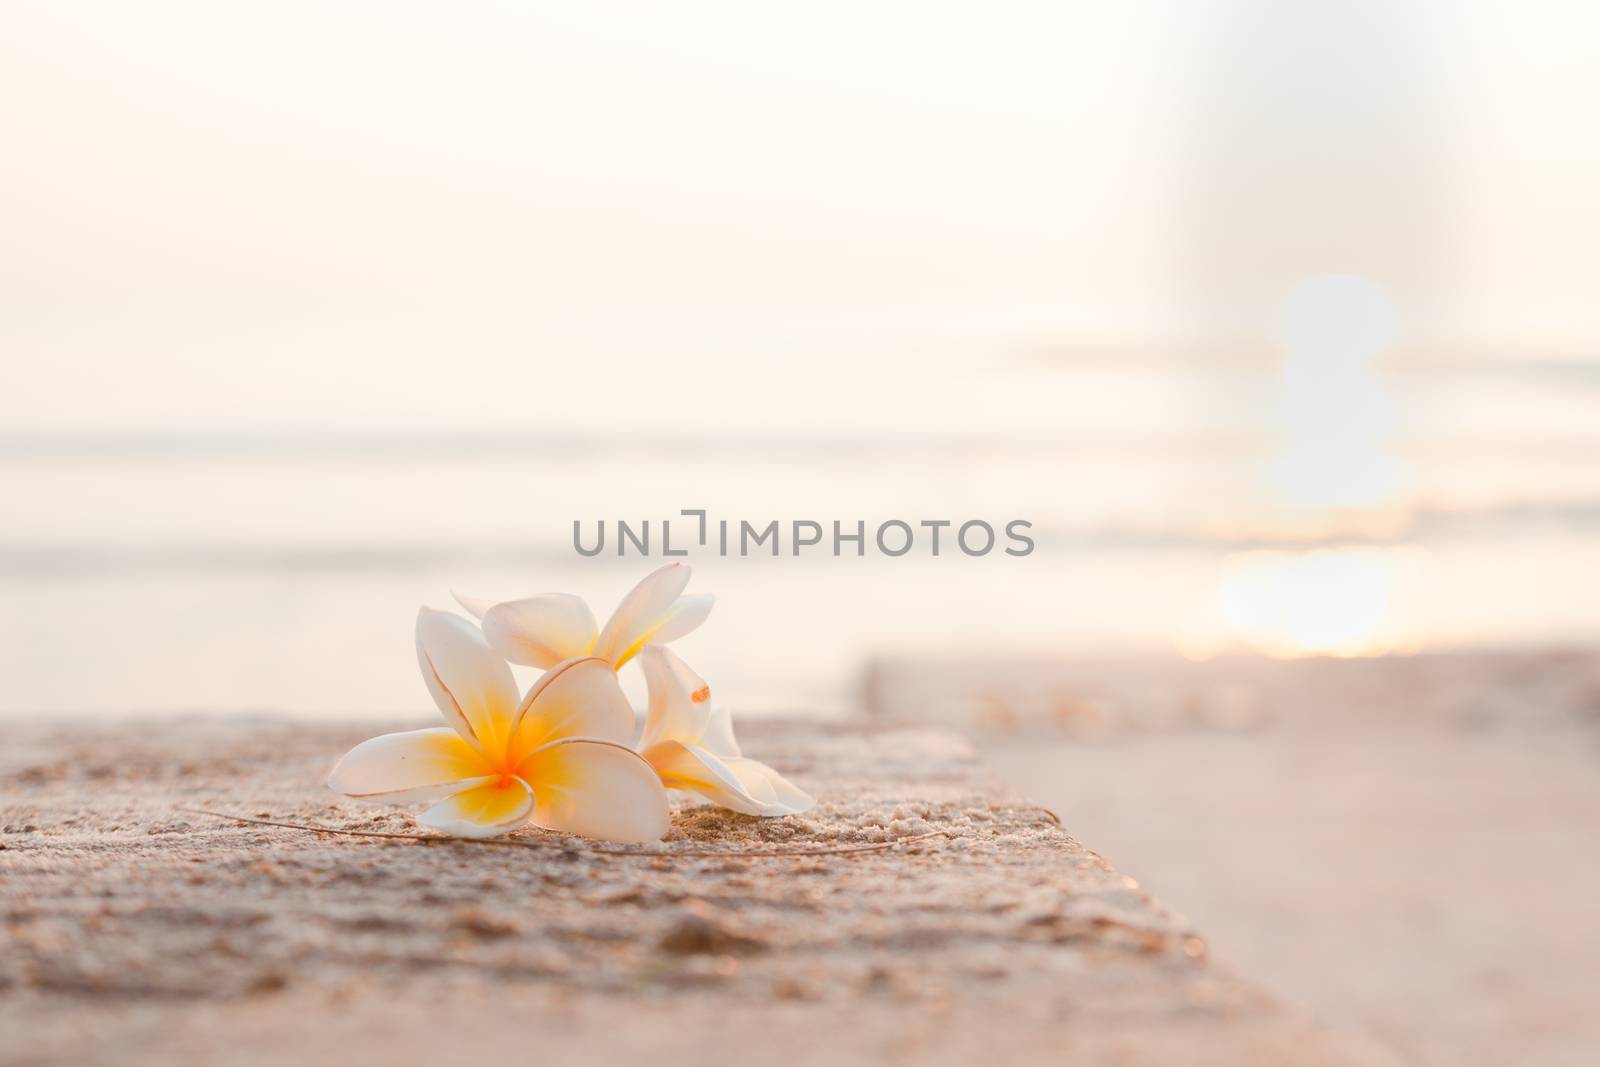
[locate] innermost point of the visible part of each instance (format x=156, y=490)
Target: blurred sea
x=282, y=570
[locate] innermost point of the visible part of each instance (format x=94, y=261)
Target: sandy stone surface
x=136, y=933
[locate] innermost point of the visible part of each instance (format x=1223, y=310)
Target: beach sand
x=1407, y=848
x=135, y=932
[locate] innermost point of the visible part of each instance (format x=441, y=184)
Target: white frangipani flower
x=691, y=746
x=543, y=630
x=559, y=757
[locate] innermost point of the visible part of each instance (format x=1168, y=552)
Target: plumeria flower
x=559, y=757
x=691, y=746
x=543, y=630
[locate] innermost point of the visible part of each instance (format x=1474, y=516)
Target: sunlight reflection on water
x=1330, y=602
x=1334, y=413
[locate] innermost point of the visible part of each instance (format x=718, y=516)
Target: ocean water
x=282, y=570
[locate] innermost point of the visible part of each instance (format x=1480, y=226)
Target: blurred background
x=1277, y=320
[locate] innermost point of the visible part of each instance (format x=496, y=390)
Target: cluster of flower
x=564, y=756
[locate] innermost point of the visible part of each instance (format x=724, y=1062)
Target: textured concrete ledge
x=137, y=934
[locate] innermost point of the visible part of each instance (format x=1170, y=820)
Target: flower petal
x=680, y=700
x=718, y=738
x=471, y=684
x=769, y=787
x=502, y=803
x=685, y=615
x=642, y=612
x=597, y=789
x=541, y=631
x=735, y=782
x=473, y=605
x=579, y=698
x=411, y=766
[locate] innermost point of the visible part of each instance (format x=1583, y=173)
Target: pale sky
x=420, y=216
